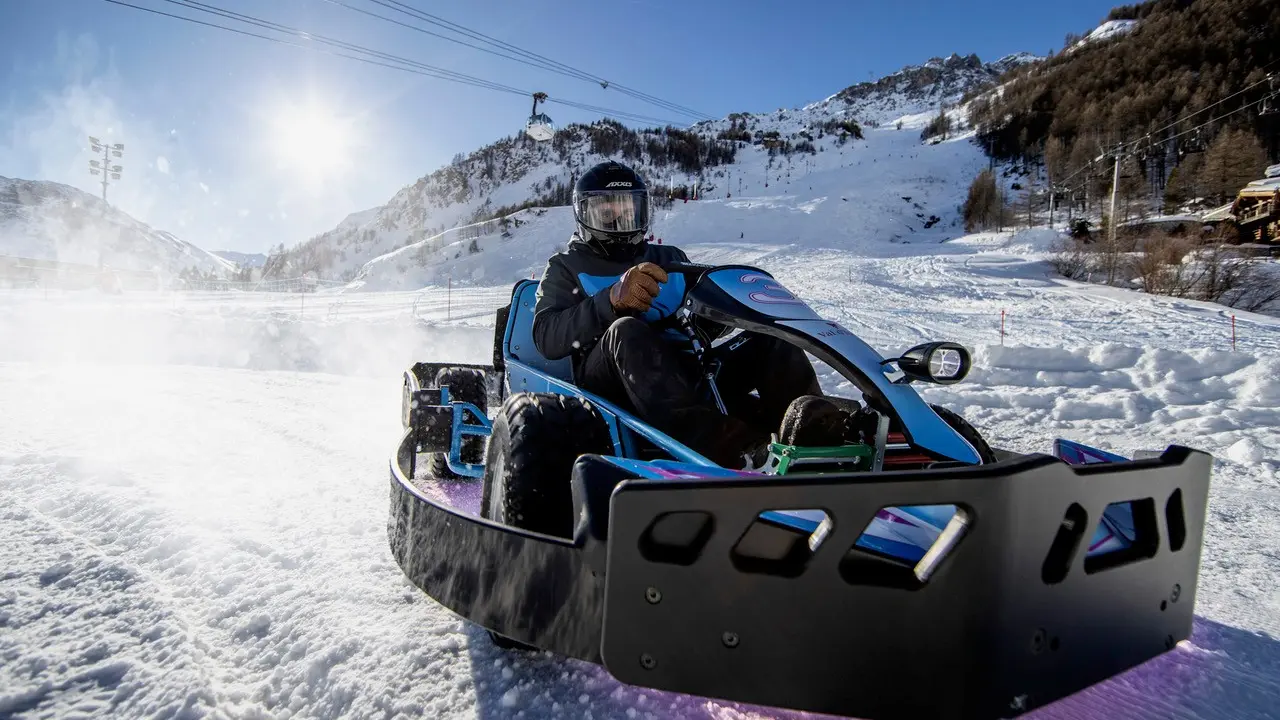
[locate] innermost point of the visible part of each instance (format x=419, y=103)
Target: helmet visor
x=613, y=211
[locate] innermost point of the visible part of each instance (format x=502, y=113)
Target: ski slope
x=193, y=488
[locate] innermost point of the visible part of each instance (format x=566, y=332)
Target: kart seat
x=520, y=345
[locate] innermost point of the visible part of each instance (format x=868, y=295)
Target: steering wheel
x=693, y=273
x=695, y=269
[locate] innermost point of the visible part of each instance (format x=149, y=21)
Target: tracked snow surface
x=194, y=491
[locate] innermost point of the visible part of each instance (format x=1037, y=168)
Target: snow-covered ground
x=193, y=488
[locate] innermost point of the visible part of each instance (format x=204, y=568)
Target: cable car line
x=450, y=39
x=477, y=35
x=282, y=42
x=534, y=58
x=267, y=24
x=404, y=64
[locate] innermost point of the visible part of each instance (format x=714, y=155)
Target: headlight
x=943, y=363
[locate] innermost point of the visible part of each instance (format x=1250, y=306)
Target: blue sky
x=238, y=143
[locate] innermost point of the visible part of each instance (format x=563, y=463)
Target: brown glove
x=637, y=288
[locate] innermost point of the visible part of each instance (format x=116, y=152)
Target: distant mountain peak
x=937, y=80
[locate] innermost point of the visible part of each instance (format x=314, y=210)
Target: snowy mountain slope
x=242, y=259
x=726, y=157
x=50, y=221
x=242, y=570
x=852, y=194
x=917, y=89
x=1106, y=31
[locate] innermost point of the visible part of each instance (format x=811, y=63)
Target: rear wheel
x=465, y=385
x=536, y=440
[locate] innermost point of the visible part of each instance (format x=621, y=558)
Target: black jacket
x=573, y=308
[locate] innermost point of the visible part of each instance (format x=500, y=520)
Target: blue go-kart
x=919, y=574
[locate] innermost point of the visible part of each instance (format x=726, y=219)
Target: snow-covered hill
x=839, y=146
x=51, y=221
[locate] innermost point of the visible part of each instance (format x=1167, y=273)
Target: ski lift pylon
x=539, y=127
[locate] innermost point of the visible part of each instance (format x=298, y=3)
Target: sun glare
x=311, y=139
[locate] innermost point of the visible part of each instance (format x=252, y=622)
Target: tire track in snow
x=108, y=658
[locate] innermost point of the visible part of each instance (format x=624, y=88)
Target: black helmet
x=611, y=205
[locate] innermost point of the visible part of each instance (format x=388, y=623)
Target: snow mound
x=1217, y=400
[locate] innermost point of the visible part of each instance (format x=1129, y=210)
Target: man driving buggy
x=600, y=301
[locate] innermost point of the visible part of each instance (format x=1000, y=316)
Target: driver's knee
x=790, y=365
x=627, y=332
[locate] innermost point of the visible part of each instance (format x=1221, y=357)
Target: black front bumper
x=1012, y=619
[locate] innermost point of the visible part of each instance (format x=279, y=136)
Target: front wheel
x=536, y=439
x=968, y=432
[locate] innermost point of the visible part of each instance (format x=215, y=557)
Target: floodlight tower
x=105, y=168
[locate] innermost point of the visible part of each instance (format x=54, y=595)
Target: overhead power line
x=376, y=57
x=525, y=56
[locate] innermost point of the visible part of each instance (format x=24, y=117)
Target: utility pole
x=105, y=168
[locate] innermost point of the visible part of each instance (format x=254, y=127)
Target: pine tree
x=1184, y=184
x=1184, y=57
x=982, y=206
x=1233, y=160
x=1056, y=156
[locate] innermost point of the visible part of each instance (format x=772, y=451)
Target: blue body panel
x=670, y=293
x=760, y=294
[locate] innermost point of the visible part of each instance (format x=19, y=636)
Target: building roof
x=1219, y=214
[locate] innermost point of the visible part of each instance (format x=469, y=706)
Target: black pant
x=635, y=367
